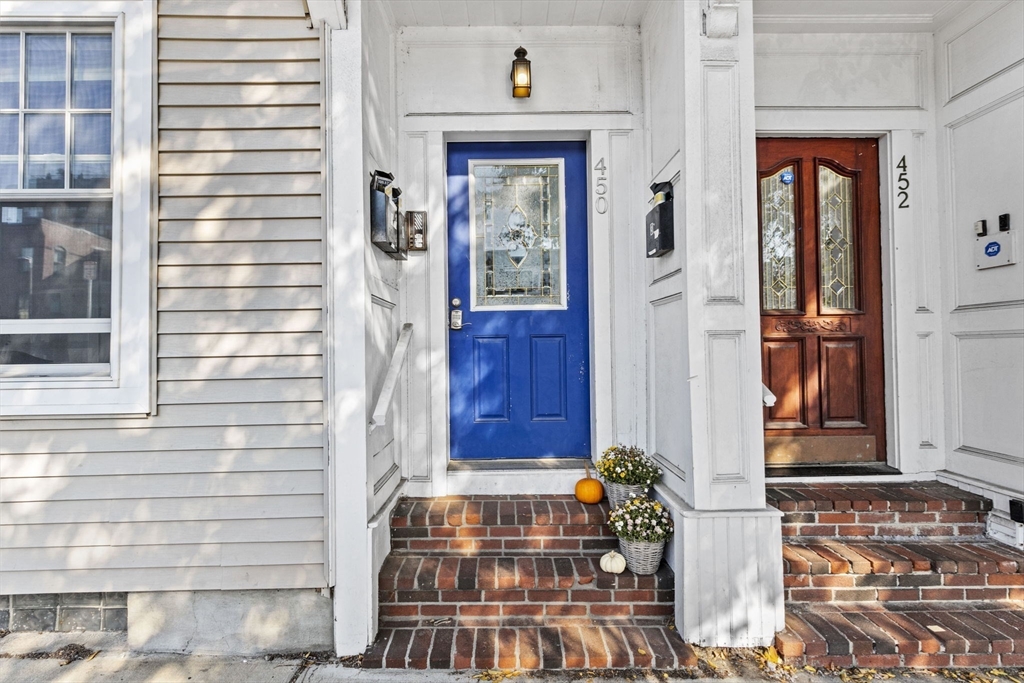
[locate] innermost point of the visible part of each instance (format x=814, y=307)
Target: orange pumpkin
x=589, y=490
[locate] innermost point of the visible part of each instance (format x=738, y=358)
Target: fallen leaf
x=641, y=651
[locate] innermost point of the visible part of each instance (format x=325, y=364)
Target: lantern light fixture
x=520, y=74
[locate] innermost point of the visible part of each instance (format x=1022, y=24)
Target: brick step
x=865, y=571
x=528, y=648
x=911, y=634
x=524, y=590
x=887, y=510
x=500, y=525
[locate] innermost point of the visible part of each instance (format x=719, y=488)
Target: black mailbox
x=385, y=218
x=659, y=223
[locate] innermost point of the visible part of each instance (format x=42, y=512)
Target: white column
x=727, y=550
x=345, y=339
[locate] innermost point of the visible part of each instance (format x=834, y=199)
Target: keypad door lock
x=455, y=315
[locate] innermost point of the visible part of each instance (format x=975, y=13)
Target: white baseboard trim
x=513, y=482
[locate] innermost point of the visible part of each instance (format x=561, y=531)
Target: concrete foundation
x=248, y=622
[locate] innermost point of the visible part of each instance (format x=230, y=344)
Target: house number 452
x=902, y=185
x=601, y=187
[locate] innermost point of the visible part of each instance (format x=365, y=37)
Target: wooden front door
x=821, y=300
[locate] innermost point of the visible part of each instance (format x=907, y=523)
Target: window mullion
x=22, y=95
x=67, y=110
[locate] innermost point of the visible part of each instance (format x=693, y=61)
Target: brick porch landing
x=896, y=575
x=515, y=582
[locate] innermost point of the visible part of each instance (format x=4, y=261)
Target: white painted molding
x=721, y=19
x=333, y=13
x=387, y=392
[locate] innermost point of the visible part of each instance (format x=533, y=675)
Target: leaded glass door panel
x=821, y=300
x=519, y=381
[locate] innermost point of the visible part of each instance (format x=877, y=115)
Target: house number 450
x=601, y=187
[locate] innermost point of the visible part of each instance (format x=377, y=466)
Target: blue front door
x=517, y=271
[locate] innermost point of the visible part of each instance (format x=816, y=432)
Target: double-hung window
x=76, y=104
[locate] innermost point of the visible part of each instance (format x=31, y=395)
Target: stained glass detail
x=518, y=244
x=838, y=268
x=778, y=242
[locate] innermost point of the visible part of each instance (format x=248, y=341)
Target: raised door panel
x=842, y=383
x=784, y=369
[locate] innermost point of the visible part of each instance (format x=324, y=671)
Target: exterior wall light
x=520, y=74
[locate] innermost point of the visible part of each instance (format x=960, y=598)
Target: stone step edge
x=881, y=557
x=891, y=638
x=529, y=648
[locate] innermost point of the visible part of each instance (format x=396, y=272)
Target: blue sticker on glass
x=786, y=177
x=992, y=249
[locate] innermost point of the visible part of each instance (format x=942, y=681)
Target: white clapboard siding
x=301, y=275
x=185, y=163
x=239, y=140
x=211, y=51
x=238, y=95
x=298, y=116
x=165, y=462
x=240, y=72
x=240, y=185
x=167, y=578
x=157, y=533
x=251, y=367
x=240, y=391
x=201, y=253
x=183, y=322
x=238, y=299
x=23, y=490
x=222, y=488
x=218, y=508
x=222, y=28
x=195, y=345
x=191, y=555
x=262, y=230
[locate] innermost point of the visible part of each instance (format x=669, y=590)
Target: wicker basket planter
x=642, y=557
x=620, y=493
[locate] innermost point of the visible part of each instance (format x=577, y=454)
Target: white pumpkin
x=613, y=562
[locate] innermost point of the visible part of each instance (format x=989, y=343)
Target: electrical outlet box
x=980, y=228
x=992, y=251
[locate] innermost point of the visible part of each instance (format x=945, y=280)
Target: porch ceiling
x=769, y=15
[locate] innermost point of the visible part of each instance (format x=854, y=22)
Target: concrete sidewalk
x=29, y=658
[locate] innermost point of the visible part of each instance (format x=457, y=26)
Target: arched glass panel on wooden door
x=836, y=241
x=778, y=242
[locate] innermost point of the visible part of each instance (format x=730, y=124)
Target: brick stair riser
x=906, y=497
x=871, y=524
x=918, y=638
x=529, y=648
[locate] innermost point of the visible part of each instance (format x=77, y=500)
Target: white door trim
x=613, y=409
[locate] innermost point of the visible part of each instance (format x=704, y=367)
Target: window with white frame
x=75, y=145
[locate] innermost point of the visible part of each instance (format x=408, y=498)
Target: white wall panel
x=581, y=70
x=986, y=161
x=985, y=49
x=847, y=71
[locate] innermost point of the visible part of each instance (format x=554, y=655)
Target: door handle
x=455, y=316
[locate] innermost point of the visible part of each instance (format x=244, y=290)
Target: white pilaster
x=350, y=547
x=727, y=551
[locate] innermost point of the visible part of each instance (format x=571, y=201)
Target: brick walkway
x=896, y=575
x=515, y=582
